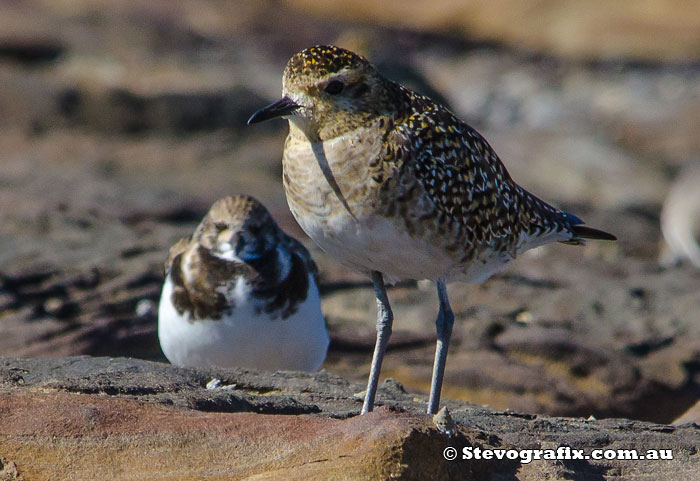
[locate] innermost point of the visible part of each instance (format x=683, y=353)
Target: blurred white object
x=680, y=217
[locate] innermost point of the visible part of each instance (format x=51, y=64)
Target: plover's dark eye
x=334, y=87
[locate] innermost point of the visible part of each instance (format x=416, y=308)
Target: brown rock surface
x=68, y=436
x=100, y=418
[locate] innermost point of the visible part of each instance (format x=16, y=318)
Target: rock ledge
x=102, y=418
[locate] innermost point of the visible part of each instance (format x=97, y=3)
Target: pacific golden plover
x=391, y=184
x=240, y=292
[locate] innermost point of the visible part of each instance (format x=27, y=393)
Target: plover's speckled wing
x=467, y=184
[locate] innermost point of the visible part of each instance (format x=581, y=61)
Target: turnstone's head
x=239, y=228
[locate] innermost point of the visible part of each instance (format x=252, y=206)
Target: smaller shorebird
x=240, y=292
x=393, y=185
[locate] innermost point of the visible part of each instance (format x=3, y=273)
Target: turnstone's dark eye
x=334, y=87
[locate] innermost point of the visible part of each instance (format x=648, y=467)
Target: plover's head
x=238, y=227
x=328, y=91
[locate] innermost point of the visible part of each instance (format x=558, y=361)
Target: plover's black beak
x=282, y=107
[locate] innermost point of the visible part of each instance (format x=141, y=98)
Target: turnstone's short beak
x=282, y=107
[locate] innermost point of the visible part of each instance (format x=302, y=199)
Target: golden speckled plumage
x=378, y=153
x=322, y=60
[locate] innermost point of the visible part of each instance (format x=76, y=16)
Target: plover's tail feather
x=584, y=232
x=580, y=232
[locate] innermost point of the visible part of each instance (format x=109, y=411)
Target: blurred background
x=122, y=121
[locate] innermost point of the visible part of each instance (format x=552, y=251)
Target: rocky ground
x=123, y=121
x=100, y=418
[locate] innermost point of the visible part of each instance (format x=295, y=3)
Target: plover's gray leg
x=384, y=320
x=444, y=323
